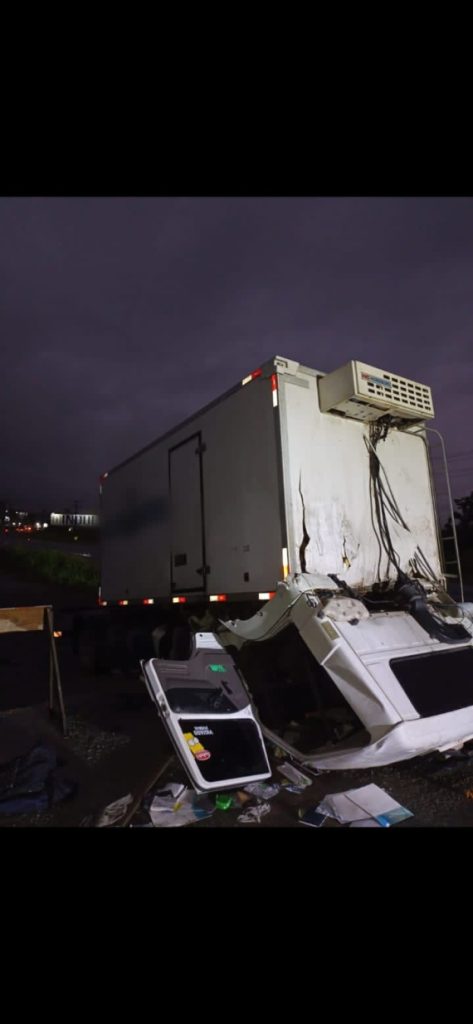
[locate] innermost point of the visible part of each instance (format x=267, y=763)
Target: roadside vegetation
x=55, y=566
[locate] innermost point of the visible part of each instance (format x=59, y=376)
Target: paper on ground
x=166, y=799
x=367, y=802
x=167, y=811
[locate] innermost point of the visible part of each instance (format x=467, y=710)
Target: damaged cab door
x=207, y=713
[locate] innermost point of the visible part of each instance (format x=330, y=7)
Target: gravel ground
x=92, y=744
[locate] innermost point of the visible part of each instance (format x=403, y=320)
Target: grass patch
x=56, y=566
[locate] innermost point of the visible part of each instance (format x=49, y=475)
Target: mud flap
x=207, y=713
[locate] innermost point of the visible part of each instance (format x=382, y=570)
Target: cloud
x=119, y=317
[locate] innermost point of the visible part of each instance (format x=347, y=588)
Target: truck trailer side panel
x=199, y=511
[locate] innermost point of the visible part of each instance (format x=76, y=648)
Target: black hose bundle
x=411, y=596
x=408, y=594
x=382, y=500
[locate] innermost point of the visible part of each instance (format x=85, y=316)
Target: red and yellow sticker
x=196, y=748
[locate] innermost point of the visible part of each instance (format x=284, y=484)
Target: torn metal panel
x=305, y=536
x=328, y=454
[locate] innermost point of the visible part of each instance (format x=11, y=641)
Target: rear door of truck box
x=186, y=495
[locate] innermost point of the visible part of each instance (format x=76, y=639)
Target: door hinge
x=204, y=570
x=201, y=449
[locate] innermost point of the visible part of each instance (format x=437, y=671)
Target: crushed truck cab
x=409, y=684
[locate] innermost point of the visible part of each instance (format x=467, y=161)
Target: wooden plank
x=22, y=620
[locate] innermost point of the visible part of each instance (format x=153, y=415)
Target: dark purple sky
x=120, y=317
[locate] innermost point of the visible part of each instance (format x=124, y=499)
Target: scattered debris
x=176, y=805
x=263, y=790
x=114, y=812
x=368, y=802
x=225, y=801
x=167, y=797
x=295, y=776
x=312, y=817
x=254, y=814
x=243, y=797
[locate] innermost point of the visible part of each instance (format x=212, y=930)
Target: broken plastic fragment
x=263, y=790
x=254, y=814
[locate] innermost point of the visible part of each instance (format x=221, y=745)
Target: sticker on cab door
x=196, y=748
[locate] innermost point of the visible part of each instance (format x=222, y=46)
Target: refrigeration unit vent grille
x=363, y=392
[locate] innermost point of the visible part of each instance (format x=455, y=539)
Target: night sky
x=120, y=317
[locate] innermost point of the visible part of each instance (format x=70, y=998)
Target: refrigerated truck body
x=271, y=478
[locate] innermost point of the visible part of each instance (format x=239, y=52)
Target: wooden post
x=54, y=669
x=51, y=681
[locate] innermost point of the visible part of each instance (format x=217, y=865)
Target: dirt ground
x=116, y=745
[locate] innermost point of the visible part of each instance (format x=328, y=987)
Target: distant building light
x=45, y=526
x=74, y=519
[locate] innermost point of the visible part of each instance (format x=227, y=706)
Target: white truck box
x=262, y=483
